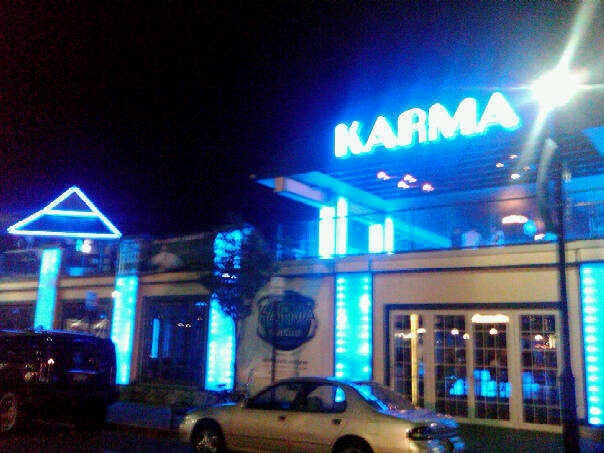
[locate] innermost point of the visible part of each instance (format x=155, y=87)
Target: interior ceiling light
x=409, y=178
x=382, y=175
x=427, y=187
x=515, y=176
x=403, y=185
x=513, y=156
x=499, y=165
x=514, y=219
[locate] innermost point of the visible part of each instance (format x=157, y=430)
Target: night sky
x=160, y=110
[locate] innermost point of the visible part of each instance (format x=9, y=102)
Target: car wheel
x=352, y=446
x=9, y=412
x=207, y=438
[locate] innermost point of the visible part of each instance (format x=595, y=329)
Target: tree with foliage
x=243, y=264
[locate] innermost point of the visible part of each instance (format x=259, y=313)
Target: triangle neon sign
x=72, y=214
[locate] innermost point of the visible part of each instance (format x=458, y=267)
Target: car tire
x=352, y=446
x=9, y=412
x=207, y=438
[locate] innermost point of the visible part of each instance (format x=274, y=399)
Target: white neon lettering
x=463, y=122
x=416, y=126
x=498, y=112
x=412, y=127
x=381, y=134
x=347, y=139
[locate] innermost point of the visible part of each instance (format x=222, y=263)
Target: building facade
x=430, y=265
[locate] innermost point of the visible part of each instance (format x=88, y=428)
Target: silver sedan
x=314, y=414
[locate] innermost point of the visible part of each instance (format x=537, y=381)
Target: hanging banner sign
x=415, y=126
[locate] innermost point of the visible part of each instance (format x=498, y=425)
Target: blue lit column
x=220, y=355
x=592, y=296
x=124, y=308
x=221, y=349
x=353, y=343
x=47, y=289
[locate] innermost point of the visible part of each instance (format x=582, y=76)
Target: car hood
x=423, y=416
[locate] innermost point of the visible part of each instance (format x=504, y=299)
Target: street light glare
x=556, y=87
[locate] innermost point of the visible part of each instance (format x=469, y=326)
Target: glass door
x=409, y=356
x=451, y=376
x=496, y=366
x=539, y=368
x=492, y=387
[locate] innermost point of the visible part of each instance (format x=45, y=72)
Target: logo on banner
x=286, y=321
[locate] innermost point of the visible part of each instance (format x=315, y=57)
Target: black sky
x=160, y=110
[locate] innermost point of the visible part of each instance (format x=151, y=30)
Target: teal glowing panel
x=47, y=289
x=353, y=344
x=376, y=238
x=122, y=326
x=592, y=297
x=388, y=235
x=342, y=226
x=221, y=349
x=327, y=240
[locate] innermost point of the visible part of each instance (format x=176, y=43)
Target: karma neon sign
x=416, y=125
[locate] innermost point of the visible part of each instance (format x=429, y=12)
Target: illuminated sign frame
x=418, y=126
x=54, y=210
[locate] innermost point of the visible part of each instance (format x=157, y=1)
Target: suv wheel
x=9, y=412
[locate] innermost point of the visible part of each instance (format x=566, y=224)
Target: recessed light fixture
x=499, y=165
x=515, y=176
x=382, y=175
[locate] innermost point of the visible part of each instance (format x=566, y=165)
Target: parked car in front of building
x=314, y=414
x=44, y=374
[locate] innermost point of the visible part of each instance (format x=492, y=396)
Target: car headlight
x=420, y=433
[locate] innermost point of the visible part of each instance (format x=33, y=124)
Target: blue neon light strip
x=592, y=296
x=221, y=349
x=353, y=345
x=122, y=326
x=52, y=210
x=155, y=338
x=47, y=289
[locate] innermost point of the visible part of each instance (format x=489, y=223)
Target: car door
x=262, y=424
x=319, y=419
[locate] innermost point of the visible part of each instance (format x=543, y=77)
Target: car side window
x=279, y=397
x=325, y=398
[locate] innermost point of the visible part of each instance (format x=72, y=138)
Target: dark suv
x=44, y=374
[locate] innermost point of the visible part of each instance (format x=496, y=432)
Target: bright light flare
x=556, y=87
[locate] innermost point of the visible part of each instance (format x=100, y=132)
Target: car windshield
x=382, y=397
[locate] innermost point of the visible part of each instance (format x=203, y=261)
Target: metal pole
x=566, y=380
